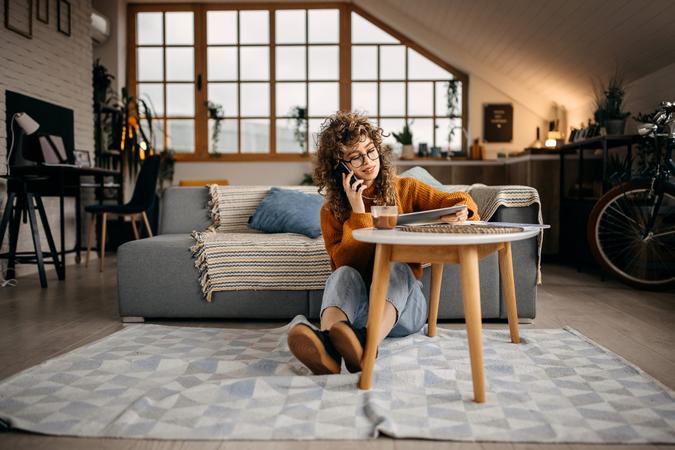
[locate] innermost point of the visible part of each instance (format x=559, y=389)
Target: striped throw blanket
x=230, y=256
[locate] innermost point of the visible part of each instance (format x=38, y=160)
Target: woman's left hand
x=460, y=216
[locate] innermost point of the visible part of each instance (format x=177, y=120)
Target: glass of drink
x=384, y=217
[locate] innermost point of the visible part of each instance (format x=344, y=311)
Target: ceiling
x=540, y=48
x=536, y=51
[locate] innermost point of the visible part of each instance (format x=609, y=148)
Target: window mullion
x=165, y=122
x=405, y=85
x=307, y=111
x=377, y=77
x=433, y=113
x=201, y=94
x=272, y=82
x=345, y=69
x=238, y=87
x=307, y=81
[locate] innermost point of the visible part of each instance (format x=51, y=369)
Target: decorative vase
x=615, y=126
x=408, y=152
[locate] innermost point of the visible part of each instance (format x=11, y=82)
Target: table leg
x=434, y=299
x=78, y=224
x=58, y=265
x=378, y=291
x=62, y=224
x=509, y=289
x=14, y=223
x=37, y=245
x=6, y=216
x=468, y=266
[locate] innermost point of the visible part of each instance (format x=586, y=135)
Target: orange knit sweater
x=411, y=195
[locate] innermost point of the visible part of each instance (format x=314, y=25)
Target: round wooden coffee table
x=438, y=249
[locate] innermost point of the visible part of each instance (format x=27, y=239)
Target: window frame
x=201, y=139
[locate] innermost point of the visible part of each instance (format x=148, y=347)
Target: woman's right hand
x=354, y=192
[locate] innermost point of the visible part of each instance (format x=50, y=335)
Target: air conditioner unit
x=100, y=27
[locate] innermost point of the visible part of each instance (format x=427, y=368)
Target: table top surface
x=375, y=236
x=41, y=169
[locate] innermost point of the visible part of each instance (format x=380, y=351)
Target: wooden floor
x=38, y=324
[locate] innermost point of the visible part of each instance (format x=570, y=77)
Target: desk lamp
x=28, y=126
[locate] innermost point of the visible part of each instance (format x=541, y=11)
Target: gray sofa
x=157, y=277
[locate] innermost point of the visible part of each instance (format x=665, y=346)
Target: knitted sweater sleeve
x=342, y=248
x=424, y=197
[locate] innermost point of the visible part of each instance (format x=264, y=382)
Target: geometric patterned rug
x=168, y=382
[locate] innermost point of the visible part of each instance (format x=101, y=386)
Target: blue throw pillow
x=288, y=211
x=421, y=174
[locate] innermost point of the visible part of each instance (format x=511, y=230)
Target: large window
x=395, y=84
x=256, y=84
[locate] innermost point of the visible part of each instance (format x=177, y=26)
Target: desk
x=59, y=174
x=438, y=249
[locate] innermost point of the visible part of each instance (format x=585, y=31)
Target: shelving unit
x=583, y=180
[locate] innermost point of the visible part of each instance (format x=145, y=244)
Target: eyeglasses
x=358, y=161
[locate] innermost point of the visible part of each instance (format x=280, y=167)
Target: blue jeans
x=345, y=289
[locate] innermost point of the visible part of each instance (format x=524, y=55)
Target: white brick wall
x=55, y=68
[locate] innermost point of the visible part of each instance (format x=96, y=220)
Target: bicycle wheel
x=616, y=235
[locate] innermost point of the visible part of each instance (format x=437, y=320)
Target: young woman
x=350, y=137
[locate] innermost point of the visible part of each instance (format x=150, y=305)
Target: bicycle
x=631, y=229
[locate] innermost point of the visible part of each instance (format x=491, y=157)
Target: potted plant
x=102, y=79
x=216, y=113
x=135, y=141
x=405, y=139
x=609, y=105
x=299, y=115
x=167, y=163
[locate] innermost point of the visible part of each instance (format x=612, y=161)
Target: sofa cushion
x=231, y=206
x=421, y=174
x=289, y=211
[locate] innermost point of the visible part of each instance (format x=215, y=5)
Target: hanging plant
x=452, y=104
x=217, y=114
x=299, y=115
x=102, y=80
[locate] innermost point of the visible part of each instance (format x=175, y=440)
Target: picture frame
x=42, y=10
x=19, y=17
x=573, y=135
x=82, y=158
x=498, y=122
x=63, y=22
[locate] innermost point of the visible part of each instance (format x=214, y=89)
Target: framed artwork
x=42, y=10
x=63, y=16
x=19, y=17
x=498, y=122
x=82, y=158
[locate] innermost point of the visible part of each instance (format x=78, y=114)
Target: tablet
x=430, y=215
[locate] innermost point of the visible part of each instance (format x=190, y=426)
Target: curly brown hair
x=339, y=133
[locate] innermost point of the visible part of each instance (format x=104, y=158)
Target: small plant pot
x=616, y=126
x=408, y=152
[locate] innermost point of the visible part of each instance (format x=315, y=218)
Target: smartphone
x=342, y=168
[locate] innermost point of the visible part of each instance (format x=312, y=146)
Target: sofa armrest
x=515, y=204
x=184, y=209
x=518, y=200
